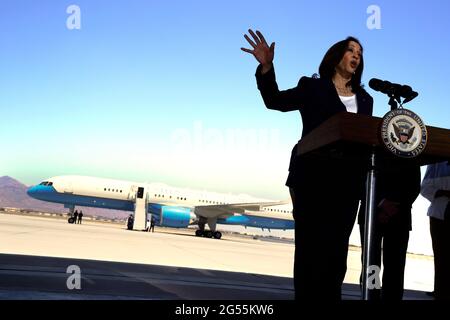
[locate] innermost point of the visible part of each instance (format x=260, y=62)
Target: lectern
x=356, y=138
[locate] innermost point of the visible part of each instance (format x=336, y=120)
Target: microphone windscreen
x=376, y=84
x=405, y=91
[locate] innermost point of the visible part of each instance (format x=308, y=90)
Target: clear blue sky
x=160, y=90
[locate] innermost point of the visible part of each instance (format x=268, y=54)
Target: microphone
x=405, y=91
x=413, y=95
x=394, y=90
x=377, y=84
x=384, y=86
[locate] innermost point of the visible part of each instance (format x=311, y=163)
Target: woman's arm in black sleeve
x=286, y=100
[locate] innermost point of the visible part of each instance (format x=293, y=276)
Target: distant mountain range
x=14, y=194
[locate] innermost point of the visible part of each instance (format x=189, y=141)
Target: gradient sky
x=159, y=91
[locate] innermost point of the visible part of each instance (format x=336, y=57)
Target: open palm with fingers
x=261, y=51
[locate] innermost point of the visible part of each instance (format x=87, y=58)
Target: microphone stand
x=368, y=289
x=393, y=101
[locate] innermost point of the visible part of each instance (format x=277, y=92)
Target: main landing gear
x=212, y=233
x=208, y=234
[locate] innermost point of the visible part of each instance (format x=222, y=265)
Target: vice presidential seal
x=403, y=133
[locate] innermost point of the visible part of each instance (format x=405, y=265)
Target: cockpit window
x=50, y=184
x=46, y=183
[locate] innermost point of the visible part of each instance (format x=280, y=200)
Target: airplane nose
x=40, y=192
x=31, y=191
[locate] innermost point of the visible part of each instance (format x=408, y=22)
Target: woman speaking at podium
x=325, y=193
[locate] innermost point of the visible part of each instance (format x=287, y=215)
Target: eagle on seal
x=403, y=133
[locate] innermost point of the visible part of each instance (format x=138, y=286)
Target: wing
x=410, y=132
x=227, y=210
x=397, y=130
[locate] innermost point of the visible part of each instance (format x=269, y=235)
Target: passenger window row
x=112, y=190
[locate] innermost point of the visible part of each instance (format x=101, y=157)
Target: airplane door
x=140, y=193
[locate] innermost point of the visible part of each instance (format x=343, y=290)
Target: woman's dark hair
x=332, y=58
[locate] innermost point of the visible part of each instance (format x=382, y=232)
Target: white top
x=436, y=178
x=350, y=103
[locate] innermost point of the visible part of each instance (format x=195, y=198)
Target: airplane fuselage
x=162, y=201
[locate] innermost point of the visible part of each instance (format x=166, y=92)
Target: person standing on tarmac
x=75, y=216
x=80, y=217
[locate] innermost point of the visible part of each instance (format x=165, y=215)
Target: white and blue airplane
x=171, y=207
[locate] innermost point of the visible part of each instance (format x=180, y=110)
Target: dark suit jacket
x=317, y=100
x=397, y=181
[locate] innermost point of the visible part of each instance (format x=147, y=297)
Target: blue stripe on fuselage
x=258, y=222
x=48, y=193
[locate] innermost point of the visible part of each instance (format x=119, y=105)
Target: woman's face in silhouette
x=351, y=60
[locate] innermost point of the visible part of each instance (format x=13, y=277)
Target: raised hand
x=261, y=51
